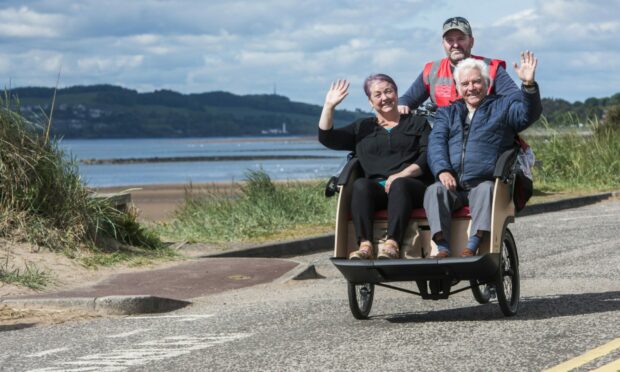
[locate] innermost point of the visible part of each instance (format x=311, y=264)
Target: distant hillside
x=107, y=111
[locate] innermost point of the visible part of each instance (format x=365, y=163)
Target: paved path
x=166, y=289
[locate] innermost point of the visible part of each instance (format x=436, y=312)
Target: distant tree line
x=108, y=111
x=560, y=112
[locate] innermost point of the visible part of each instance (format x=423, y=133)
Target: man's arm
x=413, y=97
x=504, y=85
x=438, y=155
x=526, y=110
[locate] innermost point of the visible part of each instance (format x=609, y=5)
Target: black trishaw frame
x=494, y=271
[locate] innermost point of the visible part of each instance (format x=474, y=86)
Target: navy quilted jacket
x=470, y=155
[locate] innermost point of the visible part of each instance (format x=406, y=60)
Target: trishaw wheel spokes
x=508, y=276
x=360, y=299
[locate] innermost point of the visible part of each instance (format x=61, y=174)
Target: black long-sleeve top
x=381, y=152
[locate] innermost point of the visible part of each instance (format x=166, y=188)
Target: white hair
x=470, y=64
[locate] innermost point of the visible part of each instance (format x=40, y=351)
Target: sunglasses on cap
x=454, y=21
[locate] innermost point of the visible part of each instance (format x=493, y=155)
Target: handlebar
x=429, y=109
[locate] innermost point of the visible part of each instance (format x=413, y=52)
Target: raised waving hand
x=337, y=92
x=526, y=71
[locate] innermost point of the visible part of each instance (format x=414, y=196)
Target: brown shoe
x=467, y=253
x=442, y=254
x=389, y=250
x=364, y=253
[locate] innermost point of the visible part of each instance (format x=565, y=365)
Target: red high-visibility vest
x=439, y=82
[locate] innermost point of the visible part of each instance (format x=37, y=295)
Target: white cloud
x=144, y=39
x=109, y=64
x=25, y=23
x=521, y=18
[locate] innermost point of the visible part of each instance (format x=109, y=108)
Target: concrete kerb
x=303, y=271
x=127, y=305
x=559, y=205
x=282, y=249
x=113, y=305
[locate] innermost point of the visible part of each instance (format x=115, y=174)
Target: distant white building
x=275, y=130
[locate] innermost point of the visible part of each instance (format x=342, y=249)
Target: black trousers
x=405, y=194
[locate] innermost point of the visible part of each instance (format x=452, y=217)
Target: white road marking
x=182, y=318
x=130, y=333
x=47, y=352
x=143, y=353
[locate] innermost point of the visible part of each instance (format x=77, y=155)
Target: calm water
x=104, y=175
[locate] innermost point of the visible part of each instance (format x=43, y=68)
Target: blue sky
x=298, y=47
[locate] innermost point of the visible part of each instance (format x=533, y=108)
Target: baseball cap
x=457, y=23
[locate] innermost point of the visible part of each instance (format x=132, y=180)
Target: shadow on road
x=532, y=308
x=15, y=327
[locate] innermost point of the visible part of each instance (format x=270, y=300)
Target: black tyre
x=360, y=299
x=507, y=285
x=482, y=292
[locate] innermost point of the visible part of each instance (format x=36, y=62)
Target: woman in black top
x=392, y=152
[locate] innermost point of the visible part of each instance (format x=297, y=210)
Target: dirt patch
x=13, y=319
x=155, y=203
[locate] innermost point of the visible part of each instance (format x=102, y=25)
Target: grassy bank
x=44, y=202
x=259, y=210
x=573, y=162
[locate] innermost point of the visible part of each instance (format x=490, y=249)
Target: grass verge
x=133, y=258
x=260, y=210
x=30, y=277
x=577, y=163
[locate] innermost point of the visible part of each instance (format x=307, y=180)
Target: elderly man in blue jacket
x=466, y=141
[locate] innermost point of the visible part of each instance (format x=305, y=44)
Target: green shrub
x=578, y=161
x=43, y=201
x=611, y=119
x=260, y=209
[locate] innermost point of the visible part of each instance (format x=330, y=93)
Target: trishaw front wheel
x=360, y=299
x=507, y=285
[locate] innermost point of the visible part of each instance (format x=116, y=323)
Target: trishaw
x=494, y=271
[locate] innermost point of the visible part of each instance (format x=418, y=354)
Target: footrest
x=378, y=271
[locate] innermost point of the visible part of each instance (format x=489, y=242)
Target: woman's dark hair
x=378, y=77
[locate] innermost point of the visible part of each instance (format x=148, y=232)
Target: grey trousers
x=439, y=203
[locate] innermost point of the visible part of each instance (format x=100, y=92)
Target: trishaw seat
x=420, y=214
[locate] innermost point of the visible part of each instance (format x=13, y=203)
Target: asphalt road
x=570, y=306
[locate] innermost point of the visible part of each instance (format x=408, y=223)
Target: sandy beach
x=158, y=202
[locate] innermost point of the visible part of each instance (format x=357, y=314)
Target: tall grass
x=44, y=202
x=31, y=276
x=573, y=161
x=259, y=210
